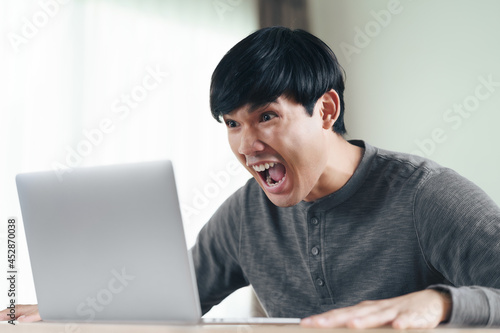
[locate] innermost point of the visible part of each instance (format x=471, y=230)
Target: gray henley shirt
x=402, y=223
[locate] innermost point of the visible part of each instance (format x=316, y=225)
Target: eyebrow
x=256, y=107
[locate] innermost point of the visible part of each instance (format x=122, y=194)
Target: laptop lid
x=107, y=244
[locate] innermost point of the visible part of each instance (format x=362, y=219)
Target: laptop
x=107, y=244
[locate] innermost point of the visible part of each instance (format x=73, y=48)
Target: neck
x=343, y=160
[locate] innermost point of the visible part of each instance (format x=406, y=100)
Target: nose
x=250, y=143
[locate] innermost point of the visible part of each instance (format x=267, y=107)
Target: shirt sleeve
x=216, y=255
x=458, y=227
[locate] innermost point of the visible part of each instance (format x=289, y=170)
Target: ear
x=329, y=108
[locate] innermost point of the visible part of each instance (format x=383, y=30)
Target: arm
x=459, y=230
x=215, y=255
x=458, y=227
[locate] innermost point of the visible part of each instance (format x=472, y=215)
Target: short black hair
x=272, y=62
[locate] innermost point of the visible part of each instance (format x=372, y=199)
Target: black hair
x=272, y=62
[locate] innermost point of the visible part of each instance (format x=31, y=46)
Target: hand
x=24, y=313
x=421, y=309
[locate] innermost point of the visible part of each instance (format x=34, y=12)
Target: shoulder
x=390, y=168
x=233, y=209
x=445, y=193
x=433, y=183
x=405, y=164
x=446, y=203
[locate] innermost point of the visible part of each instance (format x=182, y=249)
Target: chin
x=282, y=200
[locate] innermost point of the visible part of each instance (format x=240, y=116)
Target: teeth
x=262, y=167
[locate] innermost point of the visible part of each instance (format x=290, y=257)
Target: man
x=339, y=233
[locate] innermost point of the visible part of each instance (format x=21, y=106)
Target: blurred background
x=88, y=82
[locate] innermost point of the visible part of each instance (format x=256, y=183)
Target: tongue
x=277, y=172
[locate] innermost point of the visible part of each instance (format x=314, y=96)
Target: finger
x=414, y=320
x=28, y=312
x=375, y=319
x=8, y=314
x=339, y=317
x=30, y=317
x=3, y=315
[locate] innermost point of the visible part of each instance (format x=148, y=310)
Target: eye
x=231, y=123
x=266, y=116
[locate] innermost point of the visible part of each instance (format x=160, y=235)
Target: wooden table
x=42, y=327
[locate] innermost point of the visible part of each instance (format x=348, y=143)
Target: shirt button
x=315, y=251
x=314, y=221
x=320, y=282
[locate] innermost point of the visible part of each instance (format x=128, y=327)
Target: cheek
x=300, y=139
x=307, y=150
x=233, y=142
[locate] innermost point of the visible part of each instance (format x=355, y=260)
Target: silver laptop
x=107, y=244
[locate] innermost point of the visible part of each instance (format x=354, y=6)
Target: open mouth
x=272, y=173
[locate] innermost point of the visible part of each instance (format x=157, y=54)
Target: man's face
x=283, y=148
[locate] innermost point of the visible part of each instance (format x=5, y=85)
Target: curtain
x=289, y=13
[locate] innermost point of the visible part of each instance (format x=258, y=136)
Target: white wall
x=407, y=70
